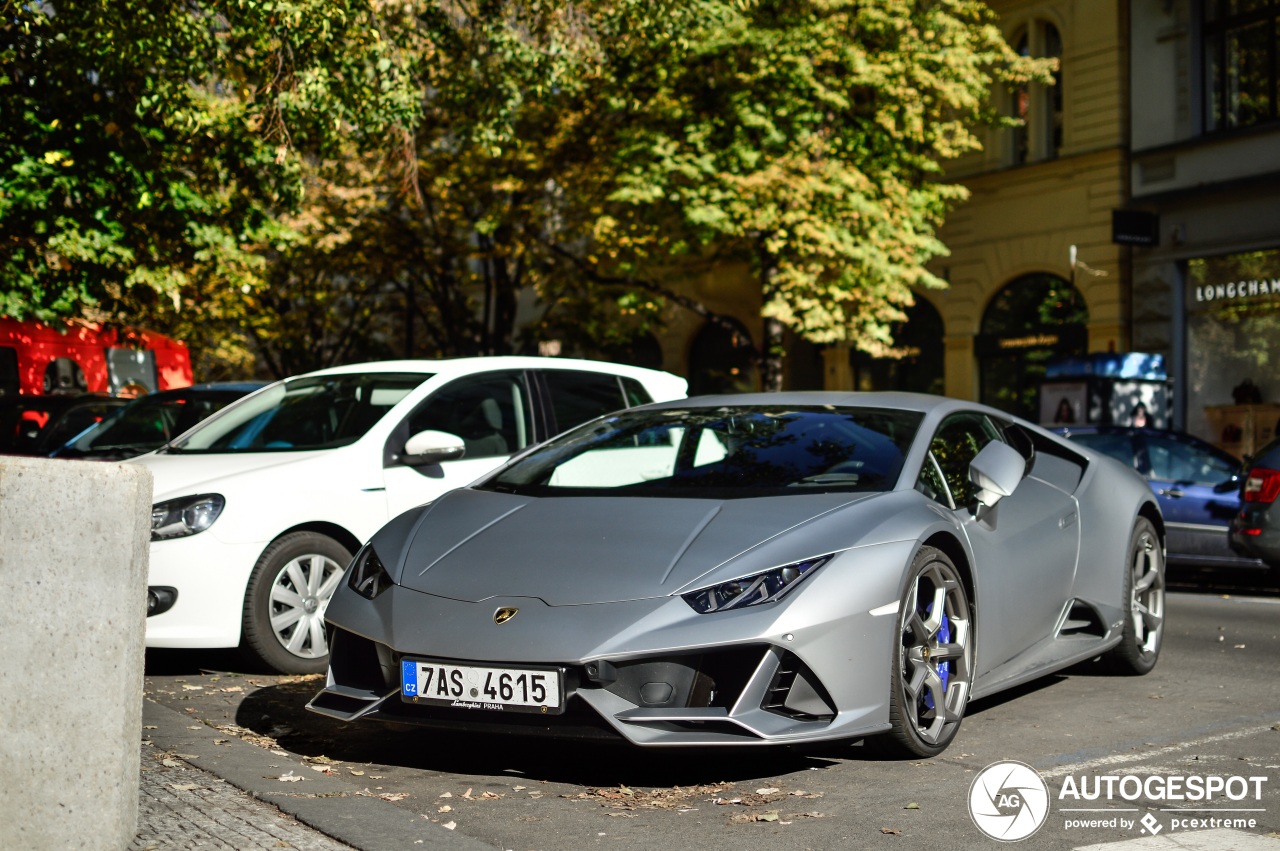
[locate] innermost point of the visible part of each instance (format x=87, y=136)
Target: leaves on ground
x=626, y=798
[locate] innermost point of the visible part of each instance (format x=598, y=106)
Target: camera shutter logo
x=1008, y=801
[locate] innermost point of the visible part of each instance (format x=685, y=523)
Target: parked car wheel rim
x=1146, y=599
x=936, y=655
x=300, y=593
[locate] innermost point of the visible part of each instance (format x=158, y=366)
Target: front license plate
x=481, y=687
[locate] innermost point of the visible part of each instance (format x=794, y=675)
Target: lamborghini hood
x=474, y=545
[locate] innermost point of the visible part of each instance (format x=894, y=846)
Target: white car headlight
x=752, y=590
x=188, y=515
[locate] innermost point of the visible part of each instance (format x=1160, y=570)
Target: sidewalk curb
x=326, y=804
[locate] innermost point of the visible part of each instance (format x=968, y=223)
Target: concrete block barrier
x=73, y=573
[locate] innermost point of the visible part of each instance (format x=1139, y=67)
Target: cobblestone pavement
x=183, y=807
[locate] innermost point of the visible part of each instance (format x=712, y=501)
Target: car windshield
x=312, y=412
x=147, y=423
x=719, y=453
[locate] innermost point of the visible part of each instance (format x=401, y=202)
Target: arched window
x=916, y=364
x=722, y=360
x=1033, y=320
x=1038, y=106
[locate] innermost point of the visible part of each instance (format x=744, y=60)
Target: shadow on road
x=1206, y=579
x=279, y=711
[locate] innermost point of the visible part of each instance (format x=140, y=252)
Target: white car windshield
x=314, y=412
x=719, y=453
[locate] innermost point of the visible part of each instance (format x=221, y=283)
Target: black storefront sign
x=1135, y=227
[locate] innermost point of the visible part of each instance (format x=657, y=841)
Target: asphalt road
x=1209, y=710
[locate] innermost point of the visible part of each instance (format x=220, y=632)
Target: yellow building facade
x=1041, y=196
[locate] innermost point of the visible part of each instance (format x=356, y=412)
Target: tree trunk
x=771, y=347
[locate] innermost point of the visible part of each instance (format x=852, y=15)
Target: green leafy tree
x=804, y=138
x=149, y=149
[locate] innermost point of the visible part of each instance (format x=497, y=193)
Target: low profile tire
x=284, y=607
x=1143, y=633
x=932, y=672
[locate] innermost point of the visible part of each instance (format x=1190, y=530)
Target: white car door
x=493, y=414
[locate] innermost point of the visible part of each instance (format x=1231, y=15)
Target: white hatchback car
x=259, y=509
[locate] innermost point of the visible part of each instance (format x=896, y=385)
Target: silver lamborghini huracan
x=753, y=569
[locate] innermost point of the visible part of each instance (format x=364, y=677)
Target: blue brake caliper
x=944, y=669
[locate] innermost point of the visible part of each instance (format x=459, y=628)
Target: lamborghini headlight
x=752, y=590
x=368, y=576
x=189, y=515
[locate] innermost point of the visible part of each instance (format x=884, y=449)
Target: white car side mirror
x=996, y=472
x=432, y=447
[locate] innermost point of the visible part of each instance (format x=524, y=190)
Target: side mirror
x=996, y=472
x=1231, y=484
x=432, y=447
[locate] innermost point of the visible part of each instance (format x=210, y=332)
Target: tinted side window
x=580, y=396
x=9, y=381
x=1113, y=445
x=635, y=393
x=489, y=412
x=1269, y=456
x=931, y=483
x=1178, y=461
x=955, y=445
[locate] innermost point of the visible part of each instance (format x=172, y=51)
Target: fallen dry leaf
x=449, y=825
x=891, y=831
x=356, y=772
x=445, y=809
x=447, y=795
x=770, y=791
x=912, y=806
x=489, y=796
x=289, y=777
x=184, y=787
x=393, y=796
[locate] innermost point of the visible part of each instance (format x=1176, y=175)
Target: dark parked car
x=1255, y=530
x=152, y=421
x=36, y=425
x=1197, y=484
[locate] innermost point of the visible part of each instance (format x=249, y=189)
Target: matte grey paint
x=601, y=579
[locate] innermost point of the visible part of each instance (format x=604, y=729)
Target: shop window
x=915, y=363
x=1240, y=63
x=1033, y=320
x=1038, y=106
x=722, y=359
x=1233, y=345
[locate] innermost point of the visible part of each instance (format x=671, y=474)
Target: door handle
x=1171, y=492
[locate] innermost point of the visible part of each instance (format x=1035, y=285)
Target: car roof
x=471, y=365
x=921, y=402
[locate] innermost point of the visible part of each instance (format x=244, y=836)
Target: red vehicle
x=37, y=359
x=42, y=366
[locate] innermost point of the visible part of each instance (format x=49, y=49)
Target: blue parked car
x=1197, y=484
